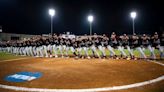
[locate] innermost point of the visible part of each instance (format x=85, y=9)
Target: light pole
x=51, y=13
x=90, y=19
x=133, y=16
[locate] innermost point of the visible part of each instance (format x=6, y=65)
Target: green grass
x=136, y=52
x=6, y=56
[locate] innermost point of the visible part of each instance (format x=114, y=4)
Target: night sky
x=31, y=16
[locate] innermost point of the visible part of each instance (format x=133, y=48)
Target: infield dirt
x=69, y=73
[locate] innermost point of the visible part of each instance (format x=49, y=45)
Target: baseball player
x=55, y=45
x=113, y=43
x=123, y=41
x=156, y=44
x=135, y=43
x=94, y=48
x=146, y=44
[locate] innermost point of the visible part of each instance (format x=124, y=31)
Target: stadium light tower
x=133, y=16
x=51, y=13
x=90, y=19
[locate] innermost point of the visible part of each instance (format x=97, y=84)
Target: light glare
x=51, y=12
x=90, y=18
x=133, y=15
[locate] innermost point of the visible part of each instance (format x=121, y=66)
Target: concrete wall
x=8, y=36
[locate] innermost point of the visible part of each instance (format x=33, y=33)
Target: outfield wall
x=13, y=36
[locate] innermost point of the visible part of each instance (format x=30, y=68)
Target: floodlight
x=51, y=12
x=133, y=15
x=90, y=18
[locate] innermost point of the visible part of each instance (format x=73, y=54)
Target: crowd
x=95, y=46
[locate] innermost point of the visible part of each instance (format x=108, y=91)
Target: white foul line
x=87, y=90
x=157, y=63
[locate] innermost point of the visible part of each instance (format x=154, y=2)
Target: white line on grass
x=86, y=90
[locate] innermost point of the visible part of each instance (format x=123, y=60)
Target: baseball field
x=80, y=75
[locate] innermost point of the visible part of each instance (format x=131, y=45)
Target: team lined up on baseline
x=56, y=45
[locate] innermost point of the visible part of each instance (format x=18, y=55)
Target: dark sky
x=31, y=16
